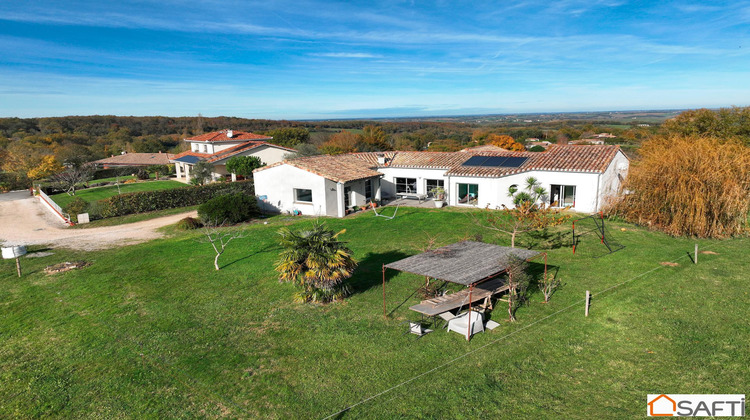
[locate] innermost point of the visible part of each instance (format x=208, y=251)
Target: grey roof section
x=464, y=262
x=188, y=159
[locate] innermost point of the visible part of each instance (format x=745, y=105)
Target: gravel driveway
x=25, y=221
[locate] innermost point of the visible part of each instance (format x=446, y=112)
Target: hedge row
x=10, y=181
x=141, y=202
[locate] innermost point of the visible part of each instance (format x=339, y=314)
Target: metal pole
x=468, y=330
x=588, y=299
x=601, y=216
x=18, y=266
x=384, y=291
x=574, y=237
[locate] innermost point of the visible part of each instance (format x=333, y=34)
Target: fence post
x=588, y=299
x=695, y=259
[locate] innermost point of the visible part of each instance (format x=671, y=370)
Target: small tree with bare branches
x=72, y=176
x=529, y=213
x=219, y=236
x=518, y=285
x=548, y=284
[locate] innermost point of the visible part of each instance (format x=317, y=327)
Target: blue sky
x=319, y=59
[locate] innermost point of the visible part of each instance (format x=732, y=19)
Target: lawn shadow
x=266, y=248
x=546, y=239
x=369, y=272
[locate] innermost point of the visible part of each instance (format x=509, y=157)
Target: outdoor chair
x=461, y=324
x=417, y=329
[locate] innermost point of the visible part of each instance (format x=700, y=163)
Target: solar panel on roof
x=495, y=161
x=514, y=162
x=475, y=161
x=188, y=159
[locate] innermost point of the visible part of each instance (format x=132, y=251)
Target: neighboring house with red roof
x=218, y=146
x=582, y=177
x=134, y=159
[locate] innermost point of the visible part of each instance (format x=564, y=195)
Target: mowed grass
x=152, y=330
x=100, y=193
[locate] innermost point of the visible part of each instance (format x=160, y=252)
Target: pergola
x=467, y=263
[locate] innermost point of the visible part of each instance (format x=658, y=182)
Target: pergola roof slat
x=466, y=262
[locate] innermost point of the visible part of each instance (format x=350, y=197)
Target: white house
x=582, y=177
x=218, y=146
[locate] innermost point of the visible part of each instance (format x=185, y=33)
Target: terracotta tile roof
x=235, y=150
x=437, y=160
x=229, y=152
x=574, y=158
x=352, y=166
x=222, y=136
x=337, y=168
x=567, y=158
x=136, y=159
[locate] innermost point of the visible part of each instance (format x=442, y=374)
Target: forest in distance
x=30, y=148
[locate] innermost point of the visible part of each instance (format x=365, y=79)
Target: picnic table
x=440, y=304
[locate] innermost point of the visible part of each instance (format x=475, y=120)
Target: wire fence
x=577, y=303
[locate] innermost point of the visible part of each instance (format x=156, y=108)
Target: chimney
x=381, y=159
x=230, y=133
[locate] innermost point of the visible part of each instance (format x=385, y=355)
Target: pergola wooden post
x=468, y=330
x=384, y=291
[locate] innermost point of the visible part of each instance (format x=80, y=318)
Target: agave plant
x=317, y=261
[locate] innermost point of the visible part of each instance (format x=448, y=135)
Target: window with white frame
x=468, y=194
x=406, y=185
x=302, y=195
x=431, y=184
x=562, y=196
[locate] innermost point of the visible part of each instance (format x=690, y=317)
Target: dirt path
x=25, y=221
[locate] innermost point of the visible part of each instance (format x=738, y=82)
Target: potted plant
x=438, y=196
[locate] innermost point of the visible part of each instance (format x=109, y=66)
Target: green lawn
x=153, y=331
x=100, y=193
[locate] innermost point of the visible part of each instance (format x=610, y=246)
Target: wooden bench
x=440, y=304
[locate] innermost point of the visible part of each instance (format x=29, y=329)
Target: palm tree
x=317, y=261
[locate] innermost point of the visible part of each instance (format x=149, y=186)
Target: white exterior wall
x=358, y=191
x=268, y=154
x=278, y=185
x=331, y=205
x=204, y=147
x=422, y=175
x=494, y=191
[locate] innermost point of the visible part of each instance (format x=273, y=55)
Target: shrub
x=142, y=174
x=689, y=185
x=75, y=207
x=189, y=223
x=145, y=201
x=230, y=208
x=13, y=181
x=95, y=210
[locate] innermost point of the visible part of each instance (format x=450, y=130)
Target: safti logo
x=696, y=405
